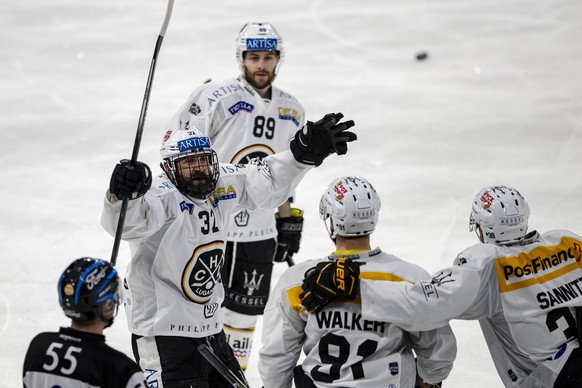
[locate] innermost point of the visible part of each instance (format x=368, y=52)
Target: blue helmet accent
x=87, y=287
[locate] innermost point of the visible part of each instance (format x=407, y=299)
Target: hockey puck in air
x=421, y=55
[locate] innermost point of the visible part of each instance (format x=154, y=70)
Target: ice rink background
x=499, y=100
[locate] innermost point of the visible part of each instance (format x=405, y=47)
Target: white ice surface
x=499, y=100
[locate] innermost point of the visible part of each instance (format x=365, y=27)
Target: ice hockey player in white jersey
x=248, y=117
x=342, y=348
x=524, y=288
x=77, y=356
x=176, y=225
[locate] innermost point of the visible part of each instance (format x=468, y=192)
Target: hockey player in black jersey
x=77, y=355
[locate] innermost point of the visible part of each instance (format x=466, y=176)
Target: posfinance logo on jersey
x=539, y=265
x=241, y=105
x=193, y=143
x=202, y=272
x=289, y=114
x=258, y=44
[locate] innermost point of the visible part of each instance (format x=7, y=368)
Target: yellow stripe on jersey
x=385, y=276
x=293, y=297
x=539, y=265
x=294, y=292
x=247, y=330
x=295, y=302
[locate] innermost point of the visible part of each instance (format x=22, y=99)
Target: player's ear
x=109, y=309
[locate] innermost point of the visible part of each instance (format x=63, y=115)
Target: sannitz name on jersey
x=334, y=319
x=560, y=294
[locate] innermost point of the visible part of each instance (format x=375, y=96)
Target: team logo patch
x=167, y=136
x=69, y=290
x=242, y=218
x=252, y=282
x=289, y=114
x=210, y=310
x=340, y=191
x=241, y=105
x=194, y=109
x=202, y=272
x=393, y=366
x=185, y=206
x=487, y=200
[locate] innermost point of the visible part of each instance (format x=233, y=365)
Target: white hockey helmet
x=352, y=205
x=255, y=36
x=502, y=213
x=189, y=142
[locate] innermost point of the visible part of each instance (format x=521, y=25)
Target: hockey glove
x=130, y=181
x=316, y=141
x=288, y=235
x=328, y=281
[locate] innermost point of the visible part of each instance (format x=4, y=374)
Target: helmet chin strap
x=479, y=233
x=330, y=230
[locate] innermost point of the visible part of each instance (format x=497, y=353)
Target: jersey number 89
x=264, y=127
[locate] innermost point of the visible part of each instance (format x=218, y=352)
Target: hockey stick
x=140, y=124
x=221, y=367
x=290, y=261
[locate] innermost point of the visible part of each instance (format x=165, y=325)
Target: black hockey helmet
x=89, y=289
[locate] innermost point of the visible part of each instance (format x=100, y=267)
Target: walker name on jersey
x=334, y=319
x=289, y=114
x=541, y=260
x=241, y=105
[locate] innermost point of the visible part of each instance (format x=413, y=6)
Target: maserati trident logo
x=254, y=283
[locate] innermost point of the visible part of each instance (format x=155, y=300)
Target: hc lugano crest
x=202, y=272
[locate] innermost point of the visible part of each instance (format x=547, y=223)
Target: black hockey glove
x=328, y=281
x=288, y=235
x=316, y=141
x=129, y=181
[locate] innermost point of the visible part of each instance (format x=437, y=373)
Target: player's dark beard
x=250, y=79
x=200, y=178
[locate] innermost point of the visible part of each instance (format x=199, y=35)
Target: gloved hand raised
x=328, y=281
x=316, y=141
x=130, y=181
x=288, y=235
